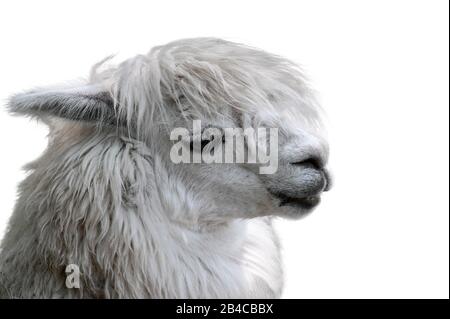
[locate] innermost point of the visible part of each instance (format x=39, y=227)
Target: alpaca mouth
x=308, y=202
x=304, y=203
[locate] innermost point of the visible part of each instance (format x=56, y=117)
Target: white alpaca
x=106, y=197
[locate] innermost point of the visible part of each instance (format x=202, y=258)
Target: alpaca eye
x=203, y=144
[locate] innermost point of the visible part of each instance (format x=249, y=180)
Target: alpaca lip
x=305, y=202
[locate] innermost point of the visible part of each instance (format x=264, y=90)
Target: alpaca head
x=224, y=85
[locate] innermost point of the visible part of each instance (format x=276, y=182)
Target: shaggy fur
x=106, y=197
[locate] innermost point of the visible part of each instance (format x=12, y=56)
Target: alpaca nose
x=317, y=164
x=302, y=174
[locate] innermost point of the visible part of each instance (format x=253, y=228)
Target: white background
x=382, y=70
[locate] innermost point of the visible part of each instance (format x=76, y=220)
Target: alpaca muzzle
x=299, y=184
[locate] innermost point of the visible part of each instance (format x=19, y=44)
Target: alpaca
x=106, y=198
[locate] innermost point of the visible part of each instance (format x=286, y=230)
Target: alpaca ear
x=86, y=103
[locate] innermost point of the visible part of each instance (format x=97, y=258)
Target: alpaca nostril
x=310, y=162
